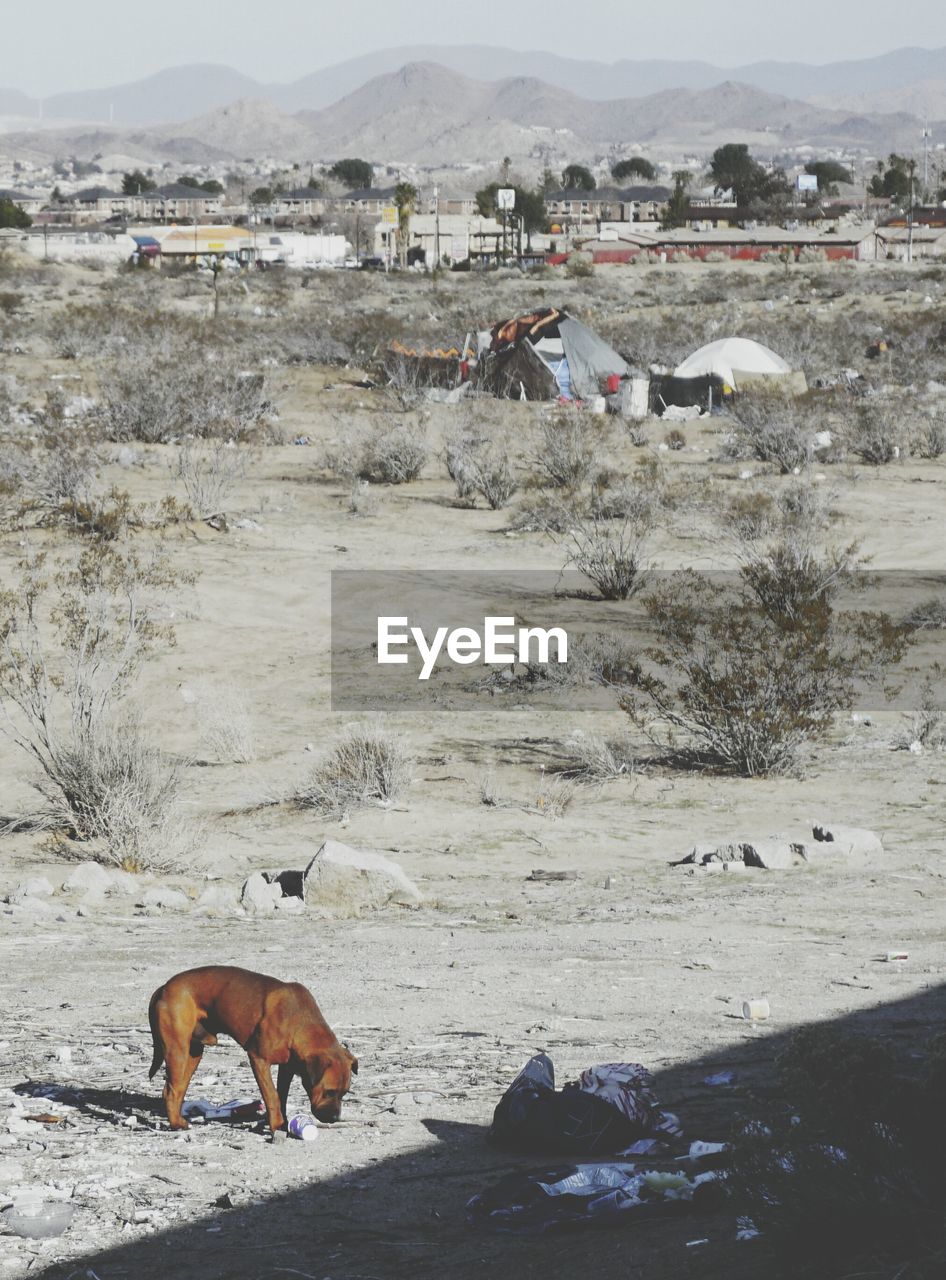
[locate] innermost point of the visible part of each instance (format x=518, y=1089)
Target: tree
x=829, y=173
x=355, y=174
x=136, y=182
x=634, y=167
x=894, y=179
x=405, y=201
x=732, y=168
x=530, y=207
x=261, y=196
x=11, y=215
x=577, y=178
x=679, y=201
x=548, y=182
x=211, y=186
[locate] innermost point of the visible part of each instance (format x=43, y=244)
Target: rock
x=291, y=906
x=123, y=882
x=163, y=899
x=217, y=898
x=91, y=902
x=773, y=854
x=350, y=880
x=35, y=887
x=850, y=842
x=10, y=1171
x=258, y=895
x=88, y=875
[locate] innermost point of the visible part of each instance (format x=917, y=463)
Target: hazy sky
x=84, y=44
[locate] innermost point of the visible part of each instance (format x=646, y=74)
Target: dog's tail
x=155, y=1034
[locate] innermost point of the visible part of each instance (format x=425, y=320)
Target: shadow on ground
x=404, y=1217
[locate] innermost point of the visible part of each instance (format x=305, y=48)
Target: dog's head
x=326, y=1078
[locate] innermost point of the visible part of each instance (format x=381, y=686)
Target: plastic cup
x=755, y=1010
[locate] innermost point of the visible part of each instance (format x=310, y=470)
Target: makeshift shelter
x=545, y=355
x=736, y=361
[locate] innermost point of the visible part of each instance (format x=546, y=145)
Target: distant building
x=30, y=204
x=302, y=202
x=606, y=204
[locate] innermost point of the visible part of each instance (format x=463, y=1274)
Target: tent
x=547, y=354
x=736, y=361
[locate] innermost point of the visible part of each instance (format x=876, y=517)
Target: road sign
x=389, y=215
x=506, y=198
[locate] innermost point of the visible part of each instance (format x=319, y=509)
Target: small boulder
x=258, y=895
x=35, y=887
x=216, y=899
x=123, y=882
x=773, y=854
x=849, y=842
x=349, y=880
x=88, y=876
x=164, y=899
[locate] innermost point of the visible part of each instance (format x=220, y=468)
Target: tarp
x=730, y=358
x=590, y=359
x=522, y=349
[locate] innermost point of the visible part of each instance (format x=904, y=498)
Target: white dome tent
x=736, y=361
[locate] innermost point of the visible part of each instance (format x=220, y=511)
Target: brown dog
x=275, y=1022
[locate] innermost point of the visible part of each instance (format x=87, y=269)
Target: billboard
x=389, y=215
x=506, y=198
x=807, y=182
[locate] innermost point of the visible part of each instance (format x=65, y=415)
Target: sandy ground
x=633, y=961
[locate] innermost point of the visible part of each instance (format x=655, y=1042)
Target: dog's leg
x=264, y=1078
x=181, y=1065
x=284, y=1076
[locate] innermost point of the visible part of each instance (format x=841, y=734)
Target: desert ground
x=634, y=960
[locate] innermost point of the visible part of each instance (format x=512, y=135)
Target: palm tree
x=405, y=201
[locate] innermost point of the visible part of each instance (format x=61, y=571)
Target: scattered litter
x=38, y=1219
x=755, y=1010
x=610, y=1107
x=238, y=1109
x=691, y=1244
x=720, y=1078
x=304, y=1128
x=539, y=874
x=746, y=1229
x=572, y=1195
x=700, y=1149
x=893, y=956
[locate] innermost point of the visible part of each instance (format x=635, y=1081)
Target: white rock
x=87, y=875
x=773, y=854
x=163, y=899
x=349, y=880
x=35, y=887
x=849, y=842
x=258, y=895
x=217, y=898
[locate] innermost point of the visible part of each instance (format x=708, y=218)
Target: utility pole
x=436, y=226
x=927, y=135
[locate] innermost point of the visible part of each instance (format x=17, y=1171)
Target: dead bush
x=477, y=464
x=930, y=440
x=926, y=615
x=369, y=765
x=751, y=516
x=113, y=788
x=675, y=439
x=876, y=434
x=569, y=446
x=542, y=513
x=226, y=725
x=772, y=428
x=591, y=757
x=743, y=688
x=71, y=643
x=209, y=472
x=387, y=451
x=177, y=389
x=927, y=717
x=610, y=553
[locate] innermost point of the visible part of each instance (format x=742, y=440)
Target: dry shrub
x=926, y=615
x=209, y=472
x=595, y=758
x=610, y=553
x=369, y=765
x=161, y=393
x=363, y=500
x=927, y=717
x=113, y=788
x=388, y=451
x=773, y=427
x=226, y=724
x=739, y=685
x=71, y=645
x=478, y=464
x=930, y=440
x=751, y=516
x=542, y=513
x=877, y=434
x=675, y=440
x=570, y=444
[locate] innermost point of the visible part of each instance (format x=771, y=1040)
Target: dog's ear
x=352, y=1061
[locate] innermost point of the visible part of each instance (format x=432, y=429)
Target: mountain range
x=911, y=79
x=429, y=114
